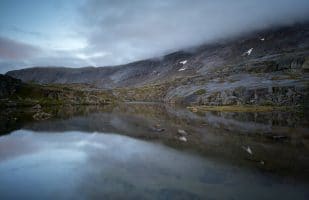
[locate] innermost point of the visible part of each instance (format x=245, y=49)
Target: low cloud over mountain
x=102, y=32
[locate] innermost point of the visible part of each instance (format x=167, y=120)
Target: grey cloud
x=119, y=31
x=14, y=50
x=51, y=58
x=138, y=29
x=17, y=55
x=7, y=66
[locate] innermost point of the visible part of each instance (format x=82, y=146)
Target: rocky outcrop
x=282, y=83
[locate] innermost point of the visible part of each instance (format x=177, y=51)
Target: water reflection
x=77, y=155
x=76, y=165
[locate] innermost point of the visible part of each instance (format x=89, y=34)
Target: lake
x=152, y=151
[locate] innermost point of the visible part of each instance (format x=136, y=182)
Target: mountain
x=269, y=67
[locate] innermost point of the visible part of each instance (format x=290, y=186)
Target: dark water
x=122, y=153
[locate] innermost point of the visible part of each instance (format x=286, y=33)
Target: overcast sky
x=76, y=33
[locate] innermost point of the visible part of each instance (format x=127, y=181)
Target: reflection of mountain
x=139, y=118
x=244, y=70
x=216, y=135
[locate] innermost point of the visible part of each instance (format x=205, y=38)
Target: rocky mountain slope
x=269, y=67
x=14, y=92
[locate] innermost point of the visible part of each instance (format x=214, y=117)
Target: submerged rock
x=183, y=139
x=182, y=132
x=157, y=128
x=41, y=116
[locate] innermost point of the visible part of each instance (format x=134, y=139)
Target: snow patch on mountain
x=183, y=62
x=248, y=52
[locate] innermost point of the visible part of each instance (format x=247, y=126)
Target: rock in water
x=157, y=129
x=182, y=132
x=41, y=116
x=183, y=139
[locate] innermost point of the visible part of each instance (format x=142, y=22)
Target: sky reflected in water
x=78, y=165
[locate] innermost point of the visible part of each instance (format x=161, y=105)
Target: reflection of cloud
x=60, y=164
x=89, y=142
x=17, y=144
x=85, y=143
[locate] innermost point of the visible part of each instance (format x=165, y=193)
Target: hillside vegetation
x=13, y=92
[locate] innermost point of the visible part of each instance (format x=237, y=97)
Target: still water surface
x=116, y=153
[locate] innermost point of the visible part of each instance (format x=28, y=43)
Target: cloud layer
x=117, y=31
x=14, y=50
x=136, y=29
